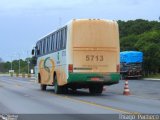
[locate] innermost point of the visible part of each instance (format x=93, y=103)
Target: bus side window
x=43, y=44
x=47, y=45
x=46, y=49
x=62, y=38
x=65, y=37
x=55, y=42
x=58, y=40
x=37, y=50
x=50, y=43
x=41, y=48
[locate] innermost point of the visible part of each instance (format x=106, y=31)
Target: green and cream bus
x=82, y=54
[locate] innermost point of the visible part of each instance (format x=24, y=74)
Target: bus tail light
x=70, y=67
x=118, y=68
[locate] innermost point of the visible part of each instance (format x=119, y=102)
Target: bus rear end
x=95, y=54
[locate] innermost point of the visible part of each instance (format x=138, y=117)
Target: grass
x=154, y=76
x=3, y=73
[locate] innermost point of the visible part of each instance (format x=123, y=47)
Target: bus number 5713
x=94, y=58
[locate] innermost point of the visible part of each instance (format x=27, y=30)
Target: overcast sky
x=23, y=22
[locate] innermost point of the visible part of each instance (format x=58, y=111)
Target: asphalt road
x=23, y=96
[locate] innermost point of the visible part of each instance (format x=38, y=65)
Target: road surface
x=23, y=96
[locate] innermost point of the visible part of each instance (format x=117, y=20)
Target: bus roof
x=75, y=20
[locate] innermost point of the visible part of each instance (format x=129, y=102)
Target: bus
x=84, y=53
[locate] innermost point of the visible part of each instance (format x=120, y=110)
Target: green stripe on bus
x=81, y=77
x=115, y=76
x=84, y=77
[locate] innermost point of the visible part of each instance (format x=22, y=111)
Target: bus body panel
x=93, y=61
x=95, y=33
x=94, y=51
x=48, y=64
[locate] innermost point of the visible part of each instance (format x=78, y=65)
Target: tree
x=137, y=27
x=128, y=43
x=2, y=69
x=5, y=66
x=149, y=43
x=142, y=35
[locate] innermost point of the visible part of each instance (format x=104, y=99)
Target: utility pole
x=11, y=69
x=19, y=64
x=11, y=63
x=28, y=61
x=28, y=66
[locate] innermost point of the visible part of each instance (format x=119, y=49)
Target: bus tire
x=43, y=87
x=57, y=88
x=39, y=78
x=96, y=89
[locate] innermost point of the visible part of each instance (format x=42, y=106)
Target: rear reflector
x=70, y=67
x=118, y=68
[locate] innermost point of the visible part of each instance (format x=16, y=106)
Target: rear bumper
x=105, y=79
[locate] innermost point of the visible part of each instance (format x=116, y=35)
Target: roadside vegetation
x=6, y=66
x=154, y=76
x=142, y=35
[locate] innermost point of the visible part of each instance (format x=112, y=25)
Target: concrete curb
x=7, y=75
x=155, y=79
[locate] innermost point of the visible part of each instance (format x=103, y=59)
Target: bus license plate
x=95, y=79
